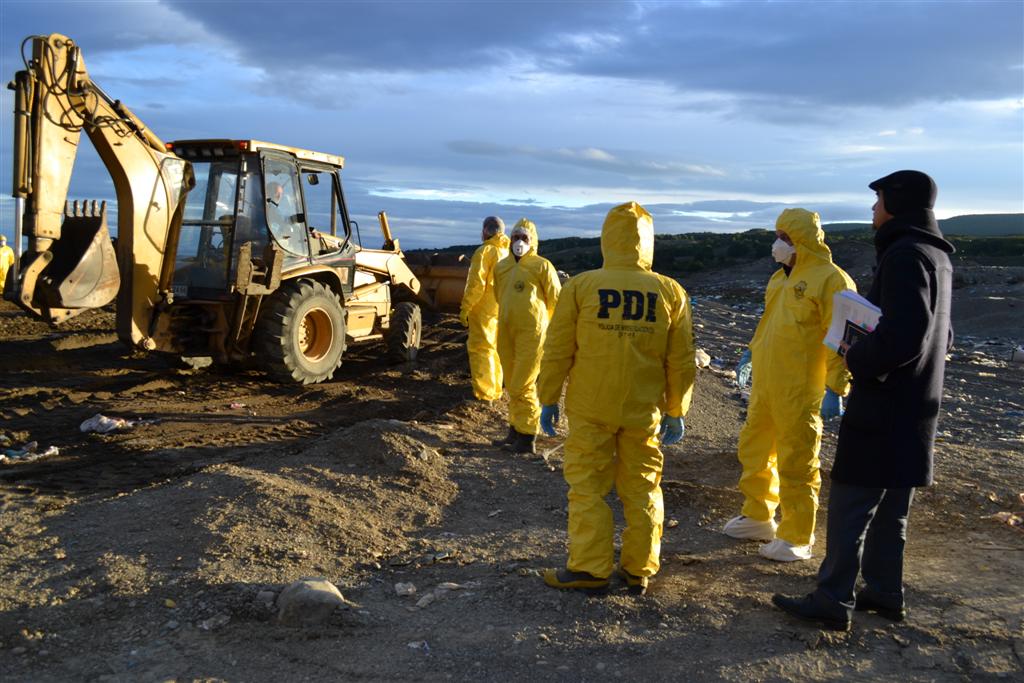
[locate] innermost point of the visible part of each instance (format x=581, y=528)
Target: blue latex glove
x=744, y=369
x=548, y=418
x=831, y=405
x=672, y=429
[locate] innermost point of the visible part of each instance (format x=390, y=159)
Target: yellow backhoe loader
x=225, y=249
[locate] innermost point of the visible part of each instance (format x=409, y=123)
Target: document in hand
x=853, y=317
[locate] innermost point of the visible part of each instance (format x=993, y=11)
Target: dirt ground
x=157, y=552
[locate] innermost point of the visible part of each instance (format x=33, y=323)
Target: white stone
x=308, y=601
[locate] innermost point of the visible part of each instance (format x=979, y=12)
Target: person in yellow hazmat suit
x=6, y=261
x=527, y=287
x=623, y=335
x=779, y=443
x=479, y=311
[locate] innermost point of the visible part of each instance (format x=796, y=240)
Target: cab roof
x=255, y=145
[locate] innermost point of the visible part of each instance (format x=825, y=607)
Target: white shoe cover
x=784, y=551
x=750, y=529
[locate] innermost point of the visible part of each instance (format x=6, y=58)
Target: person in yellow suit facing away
x=623, y=335
x=780, y=440
x=527, y=286
x=479, y=311
x=6, y=261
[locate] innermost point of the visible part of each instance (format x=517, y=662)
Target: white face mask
x=782, y=252
x=519, y=248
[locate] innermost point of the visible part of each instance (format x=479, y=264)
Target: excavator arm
x=70, y=264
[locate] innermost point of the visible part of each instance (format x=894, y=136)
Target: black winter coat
x=887, y=436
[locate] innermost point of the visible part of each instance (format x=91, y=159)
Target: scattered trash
x=495, y=513
x=672, y=523
x=418, y=645
x=1007, y=518
x=103, y=424
x=431, y=596
x=1017, y=355
x=548, y=453
x=449, y=586
x=170, y=604
x=405, y=589
x=27, y=453
x=702, y=358
x=236, y=406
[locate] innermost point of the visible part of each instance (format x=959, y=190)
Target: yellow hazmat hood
x=804, y=228
x=527, y=226
x=627, y=237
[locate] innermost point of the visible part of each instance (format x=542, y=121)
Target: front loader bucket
x=442, y=278
x=82, y=271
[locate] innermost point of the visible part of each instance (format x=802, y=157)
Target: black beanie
x=906, y=190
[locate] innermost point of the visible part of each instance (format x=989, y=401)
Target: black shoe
x=581, y=581
x=637, y=585
x=870, y=601
x=525, y=444
x=809, y=609
x=509, y=439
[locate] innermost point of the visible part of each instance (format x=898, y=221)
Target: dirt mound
x=388, y=449
x=349, y=498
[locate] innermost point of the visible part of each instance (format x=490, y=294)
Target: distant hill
x=979, y=225
x=693, y=252
x=984, y=225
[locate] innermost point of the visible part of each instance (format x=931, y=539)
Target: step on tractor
x=227, y=251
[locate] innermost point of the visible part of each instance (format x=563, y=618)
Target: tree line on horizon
x=693, y=252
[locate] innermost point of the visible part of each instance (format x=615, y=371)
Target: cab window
x=324, y=214
x=283, y=206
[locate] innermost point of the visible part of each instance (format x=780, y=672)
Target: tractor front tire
x=301, y=333
x=404, y=333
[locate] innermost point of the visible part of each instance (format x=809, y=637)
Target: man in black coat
x=887, y=436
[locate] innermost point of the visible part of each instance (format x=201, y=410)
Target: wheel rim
x=316, y=334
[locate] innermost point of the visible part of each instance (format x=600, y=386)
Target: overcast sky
x=715, y=115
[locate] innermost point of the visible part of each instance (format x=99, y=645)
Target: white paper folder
x=853, y=317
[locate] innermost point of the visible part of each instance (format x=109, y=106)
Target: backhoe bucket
x=82, y=273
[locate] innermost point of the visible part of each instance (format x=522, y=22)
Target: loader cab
x=269, y=196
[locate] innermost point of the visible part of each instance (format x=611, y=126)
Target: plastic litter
x=27, y=453
x=103, y=424
x=702, y=358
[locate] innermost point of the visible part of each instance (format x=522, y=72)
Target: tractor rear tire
x=404, y=333
x=301, y=333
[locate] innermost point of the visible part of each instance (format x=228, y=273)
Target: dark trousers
x=867, y=530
